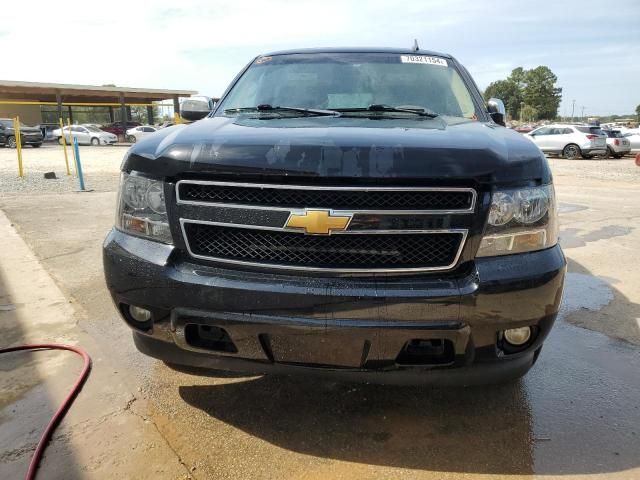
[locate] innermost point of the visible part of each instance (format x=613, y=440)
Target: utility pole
x=573, y=106
x=582, y=113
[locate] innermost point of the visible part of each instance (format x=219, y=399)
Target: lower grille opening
x=372, y=251
x=434, y=351
x=210, y=338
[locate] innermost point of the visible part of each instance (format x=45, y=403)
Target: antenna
x=416, y=47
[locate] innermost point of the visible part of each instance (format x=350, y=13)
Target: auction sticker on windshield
x=423, y=59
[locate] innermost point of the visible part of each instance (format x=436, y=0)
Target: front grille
x=341, y=251
x=338, y=199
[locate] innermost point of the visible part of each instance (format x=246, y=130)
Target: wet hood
x=439, y=149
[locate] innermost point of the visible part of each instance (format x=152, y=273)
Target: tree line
x=528, y=95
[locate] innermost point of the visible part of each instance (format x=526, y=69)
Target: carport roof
x=46, y=92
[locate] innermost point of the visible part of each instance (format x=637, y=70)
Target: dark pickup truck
x=356, y=213
x=29, y=135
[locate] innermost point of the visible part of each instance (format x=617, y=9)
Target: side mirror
x=193, y=109
x=497, y=111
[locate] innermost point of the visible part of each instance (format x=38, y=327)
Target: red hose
x=64, y=406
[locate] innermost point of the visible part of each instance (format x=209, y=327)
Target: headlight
x=141, y=208
x=522, y=220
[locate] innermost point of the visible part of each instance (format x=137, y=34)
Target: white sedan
x=136, y=133
x=86, y=135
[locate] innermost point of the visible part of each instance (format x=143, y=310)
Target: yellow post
x=64, y=146
x=16, y=129
x=73, y=150
x=176, y=118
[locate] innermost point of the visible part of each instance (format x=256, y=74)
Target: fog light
x=517, y=336
x=139, y=314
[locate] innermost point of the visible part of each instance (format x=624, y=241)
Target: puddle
x=570, y=207
x=585, y=292
x=572, y=238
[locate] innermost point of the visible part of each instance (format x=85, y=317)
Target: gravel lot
x=99, y=164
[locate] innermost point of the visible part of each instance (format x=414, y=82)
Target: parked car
x=617, y=145
x=86, y=135
x=570, y=141
x=47, y=130
x=117, y=128
x=137, y=133
x=333, y=216
x=524, y=128
x=29, y=135
x=633, y=136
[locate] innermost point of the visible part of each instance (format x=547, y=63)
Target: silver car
x=570, y=141
x=617, y=145
x=86, y=135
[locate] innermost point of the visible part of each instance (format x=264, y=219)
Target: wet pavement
x=576, y=414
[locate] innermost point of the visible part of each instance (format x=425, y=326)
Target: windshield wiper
x=265, y=107
x=377, y=107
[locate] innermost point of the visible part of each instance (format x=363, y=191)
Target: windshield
x=337, y=81
x=92, y=129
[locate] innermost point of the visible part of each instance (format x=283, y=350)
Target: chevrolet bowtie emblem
x=318, y=222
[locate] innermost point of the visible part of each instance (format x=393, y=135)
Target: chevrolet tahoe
x=356, y=213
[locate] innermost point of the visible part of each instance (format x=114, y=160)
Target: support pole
x=150, y=118
x=73, y=150
x=64, y=145
x=16, y=130
x=59, y=104
x=123, y=117
x=176, y=111
x=78, y=164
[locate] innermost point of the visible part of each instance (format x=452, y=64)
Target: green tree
x=508, y=92
x=638, y=112
x=541, y=93
x=536, y=88
x=529, y=113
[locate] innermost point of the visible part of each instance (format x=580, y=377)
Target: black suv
x=357, y=213
x=29, y=135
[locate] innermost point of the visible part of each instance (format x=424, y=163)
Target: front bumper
x=31, y=140
x=594, y=150
x=350, y=328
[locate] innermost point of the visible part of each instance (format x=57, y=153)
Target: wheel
x=571, y=151
x=95, y=141
x=618, y=155
x=131, y=139
x=36, y=145
x=11, y=142
x=60, y=140
x=609, y=153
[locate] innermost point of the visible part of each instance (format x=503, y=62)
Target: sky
x=593, y=47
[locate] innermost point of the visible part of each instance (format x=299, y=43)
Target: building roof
x=46, y=92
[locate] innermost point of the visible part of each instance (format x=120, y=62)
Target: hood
x=359, y=148
x=30, y=130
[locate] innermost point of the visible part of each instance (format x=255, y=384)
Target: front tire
x=131, y=139
x=571, y=151
x=11, y=142
x=95, y=141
